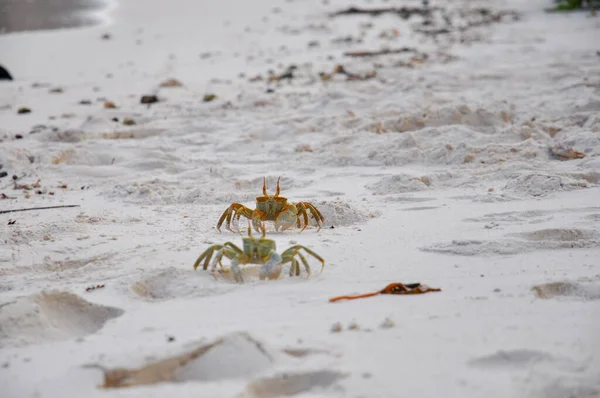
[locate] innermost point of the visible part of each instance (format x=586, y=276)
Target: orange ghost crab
x=273, y=208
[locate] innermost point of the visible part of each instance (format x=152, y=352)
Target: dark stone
x=4, y=75
x=149, y=99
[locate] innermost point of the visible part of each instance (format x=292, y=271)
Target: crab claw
x=272, y=268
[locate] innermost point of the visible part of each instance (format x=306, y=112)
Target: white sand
x=439, y=174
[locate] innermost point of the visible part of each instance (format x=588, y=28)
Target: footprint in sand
x=532, y=216
x=51, y=316
x=513, y=359
x=289, y=384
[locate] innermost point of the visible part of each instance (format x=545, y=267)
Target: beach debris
x=259, y=251
x=341, y=70
x=439, y=20
x=387, y=324
x=90, y=288
x=56, y=90
x=3, y=174
x=85, y=102
x=304, y=148
x=336, y=327
x=392, y=288
x=23, y=110
x=109, y=105
x=209, y=97
x=563, y=153
x=4, y=75
x=171, y=83
x=287, y=74
x=385, y=51
x=148, y=99
x=11, y=222
x=273, y=208
x=128, y=122
x=353, y=326
x=403, y=12
x=27, y=187
x=33, y=208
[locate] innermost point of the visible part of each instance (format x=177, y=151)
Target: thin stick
x=37, y=208
x=333, y=300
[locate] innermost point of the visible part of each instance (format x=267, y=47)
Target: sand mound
x=399, y=183
x=52, y=316
x=586, y=291
x=234, y=356
x=539, y=184
x=342, y=214
x=559, y=235
x=481, y=119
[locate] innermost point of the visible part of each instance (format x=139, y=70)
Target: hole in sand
x=52, y=316
x=173, y=283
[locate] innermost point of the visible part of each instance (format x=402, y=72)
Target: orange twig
x=393, y=288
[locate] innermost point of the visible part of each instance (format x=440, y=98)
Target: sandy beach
x=455, y=145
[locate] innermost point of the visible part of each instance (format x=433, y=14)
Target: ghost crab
x=256, y=251
x=272, y=208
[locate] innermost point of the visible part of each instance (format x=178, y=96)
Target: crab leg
x=290, y=253
x=206, y=255
x=315, y=213
x=302, y=212
x=228, y=250
x=238, y=210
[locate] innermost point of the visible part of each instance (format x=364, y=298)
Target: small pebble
x=336, y=327
x=387, y=323
x=209, y=97
x=21, y=111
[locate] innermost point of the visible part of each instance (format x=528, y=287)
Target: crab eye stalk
x=265, y=186
x=278, y=190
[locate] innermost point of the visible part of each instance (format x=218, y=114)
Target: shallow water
x=23, y=15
